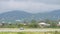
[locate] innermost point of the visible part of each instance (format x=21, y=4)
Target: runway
x=28, y=30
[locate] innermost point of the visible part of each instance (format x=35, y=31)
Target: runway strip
x=28, y=30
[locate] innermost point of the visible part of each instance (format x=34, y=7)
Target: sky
x=31, y=6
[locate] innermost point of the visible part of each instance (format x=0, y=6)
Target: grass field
x=29, y=32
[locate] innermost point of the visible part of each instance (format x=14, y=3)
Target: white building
x=42, y=24
x=58, y=24
x=18, y=20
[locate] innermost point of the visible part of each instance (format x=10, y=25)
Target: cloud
x=32, y=6
x=48, y=1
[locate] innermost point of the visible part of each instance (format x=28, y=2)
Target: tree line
x=32, y=24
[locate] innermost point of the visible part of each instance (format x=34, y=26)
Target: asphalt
x=28, y=30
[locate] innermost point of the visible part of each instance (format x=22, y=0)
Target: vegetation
x=30, y=32
x=32, y=24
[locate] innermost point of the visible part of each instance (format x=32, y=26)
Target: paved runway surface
x=28, y=30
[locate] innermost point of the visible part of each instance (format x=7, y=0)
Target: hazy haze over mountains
x=28, y=9
x=31, y=6
x=19, y=15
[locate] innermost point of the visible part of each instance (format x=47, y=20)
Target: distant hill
x=19, y=15
x=14, y=15
x=55, y=14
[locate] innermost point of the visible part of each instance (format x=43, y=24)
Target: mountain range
x=21, y=15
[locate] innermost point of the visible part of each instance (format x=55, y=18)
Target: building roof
x=42, y=23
